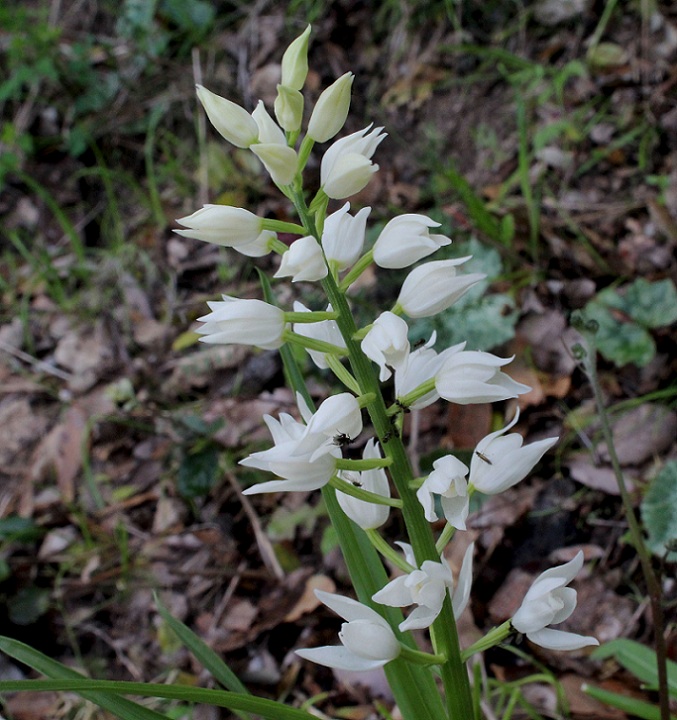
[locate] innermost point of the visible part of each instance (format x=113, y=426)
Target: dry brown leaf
x=87, y=353
x=583, y=469
x=61, y=452
x=33, y=706
x=641, y=434
x=19, y=426
x=308, y=600
x=583, y=706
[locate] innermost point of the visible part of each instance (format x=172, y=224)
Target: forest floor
x=543, y=138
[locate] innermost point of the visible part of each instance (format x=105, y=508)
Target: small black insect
x=387, y=436
x=418, y=344
x=356, y=483
x=482, y=456
x=341, y=440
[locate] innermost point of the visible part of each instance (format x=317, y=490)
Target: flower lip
x=548, y=601
x=368, y=641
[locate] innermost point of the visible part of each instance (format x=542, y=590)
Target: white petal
x=347, y=608
x=395, y=594
x=560, y=640
x=339, y=657
x=464, y=583
x=421, y=617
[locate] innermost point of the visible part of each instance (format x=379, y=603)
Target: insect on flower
x=342, y=439
x=482, y=456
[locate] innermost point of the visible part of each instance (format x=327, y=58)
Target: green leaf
x=269, y=709
x=204, y=654
x=198, y=472
x=639, y=660
x=19, y=529
x=619, y=338
x=659, y=510
x=652, y=304
x=632, y=706
x=28, y=605
x=121, y=707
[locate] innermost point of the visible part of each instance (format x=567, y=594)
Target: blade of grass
x=204, y=654
x=269, y=709
x=122, y=707
x=631, y=706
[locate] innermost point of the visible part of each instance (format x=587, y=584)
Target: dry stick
x=203, y=167
x=653, y=585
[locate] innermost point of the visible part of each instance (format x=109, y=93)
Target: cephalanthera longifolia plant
x=308, y=453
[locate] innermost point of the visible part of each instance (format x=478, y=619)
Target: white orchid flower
x=366, y=514
x=387, y=343
x=246, y=322
x=368, y=640
x=549, y=602
x=405, y=240
x=501, y=461
x=448, y=481
x=427, y=587
x=435, y=286
x=475, y=377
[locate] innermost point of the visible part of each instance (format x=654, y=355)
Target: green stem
x=309, y=317
x=349, y=489
x=282, y=226
x=494, y=637
x=312, y=343
x=454, y=674
x=387, y=552
x=364, y=464
x=652, y=583
x=445, y=538
x=356, y=270
x=343, y=374
x=421, y=658
x=411, y=397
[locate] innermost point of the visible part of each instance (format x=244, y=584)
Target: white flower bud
x=501, y=461
x=331, y=110
x=295, y=61
x=289, y=108
x=474, y=377
x=368, y=642
x=280, y=161
x=448, y=481
x=366, y=514
x=269, y=132
x=222, y=225
x=233, y=122
x=405, y=240
x=433, y=287
x=346, y=167
x=303, y=261
x=387, y=343
x=245, y=322
x=343, y=236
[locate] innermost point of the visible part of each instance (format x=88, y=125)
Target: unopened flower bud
x=433, y=287
x=289, y=108
x=280, y=161
x=405, y=240
x=303, y=261
x=246, y=322
x=295, y=62
x=331, y=110
x=222, y=225
x=233, y=122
